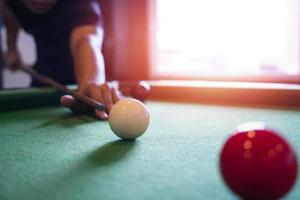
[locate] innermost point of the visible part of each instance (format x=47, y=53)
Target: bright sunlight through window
x=227, y=37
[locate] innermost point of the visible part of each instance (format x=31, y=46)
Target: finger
x=67, y=101
x=116, y=95
x=101, y=114
x=12, y=61
x=106, y=96
x=74, y=105
x=10, y=64
x=95, y=93
x=16, y=64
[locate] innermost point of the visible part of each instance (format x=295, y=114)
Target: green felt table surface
x=48, y=153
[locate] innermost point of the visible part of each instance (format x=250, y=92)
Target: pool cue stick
x=50, y=82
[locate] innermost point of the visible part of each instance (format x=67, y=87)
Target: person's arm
x=85, y=44
x=12, y=56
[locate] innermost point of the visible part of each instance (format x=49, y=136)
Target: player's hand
x=103, y=93
x=12, y=59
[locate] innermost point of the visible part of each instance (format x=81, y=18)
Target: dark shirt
x=1, y=58
x=51, y=32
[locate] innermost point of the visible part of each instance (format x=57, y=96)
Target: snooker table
x=48, y=153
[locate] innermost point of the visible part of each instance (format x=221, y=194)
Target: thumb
x=74, y=105
x=67, y=101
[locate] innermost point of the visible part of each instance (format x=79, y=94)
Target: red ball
x=140, y=90
x=257, y=163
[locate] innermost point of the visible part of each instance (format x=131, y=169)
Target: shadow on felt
x=93, y=165
x=105, y=156
x=69, y=120
x=111, y=152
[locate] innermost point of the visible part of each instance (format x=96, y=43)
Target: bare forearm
x=86, y=42
x=86, y=45
x=88, y=62
x=11, y=25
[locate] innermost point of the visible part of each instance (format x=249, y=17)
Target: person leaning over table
x=1, y=58
x=68, y=36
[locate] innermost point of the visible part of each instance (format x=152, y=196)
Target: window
x=226, y=38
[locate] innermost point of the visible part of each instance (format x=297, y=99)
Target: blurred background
x=231, y=40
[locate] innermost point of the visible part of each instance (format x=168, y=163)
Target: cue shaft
x=48, y=81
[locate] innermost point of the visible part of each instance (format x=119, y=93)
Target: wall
x=126, y=42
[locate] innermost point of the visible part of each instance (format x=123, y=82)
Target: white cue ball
x=128, y=118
